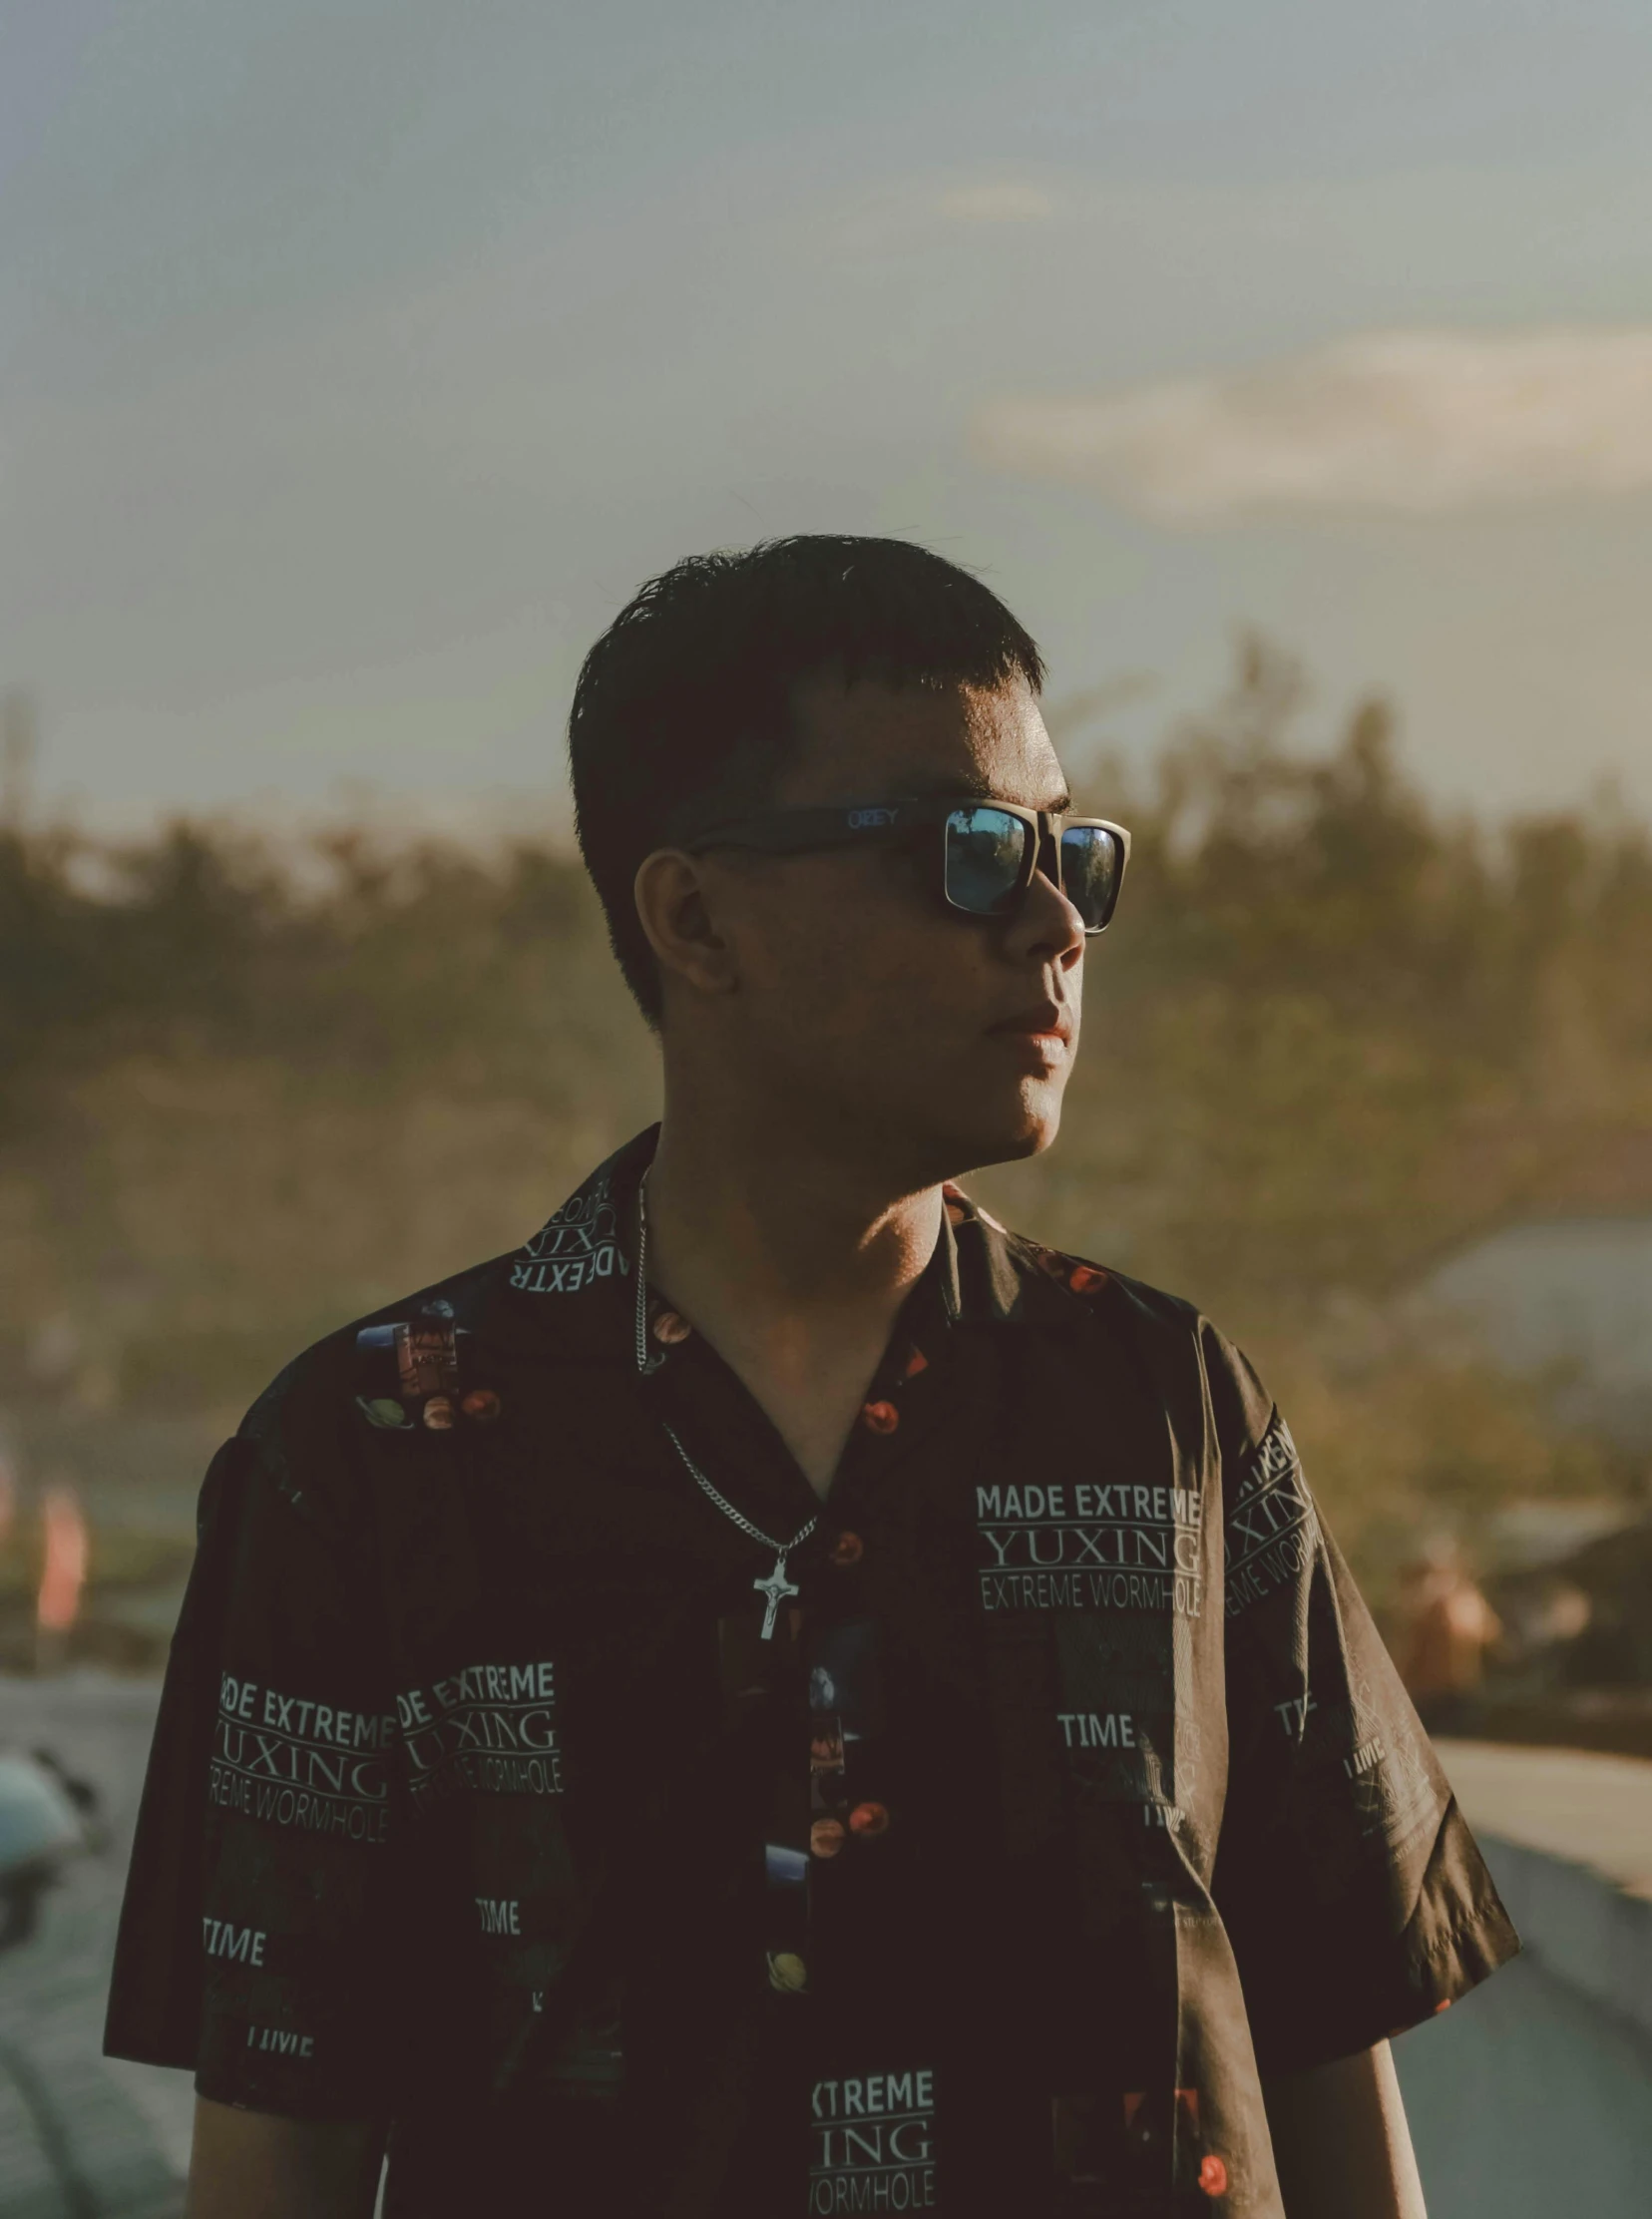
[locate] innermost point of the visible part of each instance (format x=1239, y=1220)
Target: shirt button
x=847, y=1550
x=880, y=1417
x=788, y=1972
x=868, y=1820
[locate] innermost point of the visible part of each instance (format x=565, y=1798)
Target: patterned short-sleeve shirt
x=1070, y=1792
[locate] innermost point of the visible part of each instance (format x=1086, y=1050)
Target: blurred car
x=46, y=1818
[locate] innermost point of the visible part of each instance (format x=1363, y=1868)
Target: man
x=1449, y=1626
x=783, y=1696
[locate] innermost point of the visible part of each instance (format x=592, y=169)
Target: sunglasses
x=989, y=851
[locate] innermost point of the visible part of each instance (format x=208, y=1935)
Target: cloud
x=1418, y=422
x=1004, y=203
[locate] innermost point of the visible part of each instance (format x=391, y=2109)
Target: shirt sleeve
x=1356, y=1899
x=255, y=1938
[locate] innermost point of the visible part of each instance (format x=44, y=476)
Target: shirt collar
x=578, y=1272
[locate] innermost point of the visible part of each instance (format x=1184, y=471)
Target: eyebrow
x=972, y=786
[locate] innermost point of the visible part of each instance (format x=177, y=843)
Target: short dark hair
x=682, y=708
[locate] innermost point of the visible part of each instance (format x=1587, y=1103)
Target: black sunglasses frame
x=902, y=823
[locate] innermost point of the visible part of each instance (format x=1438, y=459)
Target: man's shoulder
x=1060, y=1286
x=426, y=1364
x=1061, y=1289
x=404, y=1353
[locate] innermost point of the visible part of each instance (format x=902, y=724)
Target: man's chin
x=1006, y=1133
x=948, y=1125
x=1029, y=1139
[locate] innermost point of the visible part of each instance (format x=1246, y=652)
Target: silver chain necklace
x=776, y=1586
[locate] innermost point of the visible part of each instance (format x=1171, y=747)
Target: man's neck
x=793, y=1266
x=774, y=1232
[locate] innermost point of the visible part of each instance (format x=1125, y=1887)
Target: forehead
x=870, y=742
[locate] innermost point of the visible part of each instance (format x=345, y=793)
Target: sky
x=358, y=359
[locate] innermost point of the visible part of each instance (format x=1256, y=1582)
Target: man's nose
x=1048, y=925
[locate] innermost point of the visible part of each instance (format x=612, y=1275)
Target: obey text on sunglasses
x=986, y=853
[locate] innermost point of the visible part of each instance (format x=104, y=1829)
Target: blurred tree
x=249, y=1088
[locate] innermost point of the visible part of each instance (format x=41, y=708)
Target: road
x=1526, y=2102
x=79, y=2137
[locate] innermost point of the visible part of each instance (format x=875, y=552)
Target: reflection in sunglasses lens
x=984, y=859
x=1090, y=860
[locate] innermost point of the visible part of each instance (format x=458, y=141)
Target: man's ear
x=676, y=896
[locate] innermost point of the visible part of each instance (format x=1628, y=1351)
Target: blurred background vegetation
x=253, y=1087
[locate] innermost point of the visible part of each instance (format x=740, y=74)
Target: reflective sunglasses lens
x=984, y=848
x=1092, y=862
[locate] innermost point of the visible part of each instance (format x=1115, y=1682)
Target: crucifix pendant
x=774, y=1588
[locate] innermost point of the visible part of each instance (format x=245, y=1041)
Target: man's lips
x=1045, y=1020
